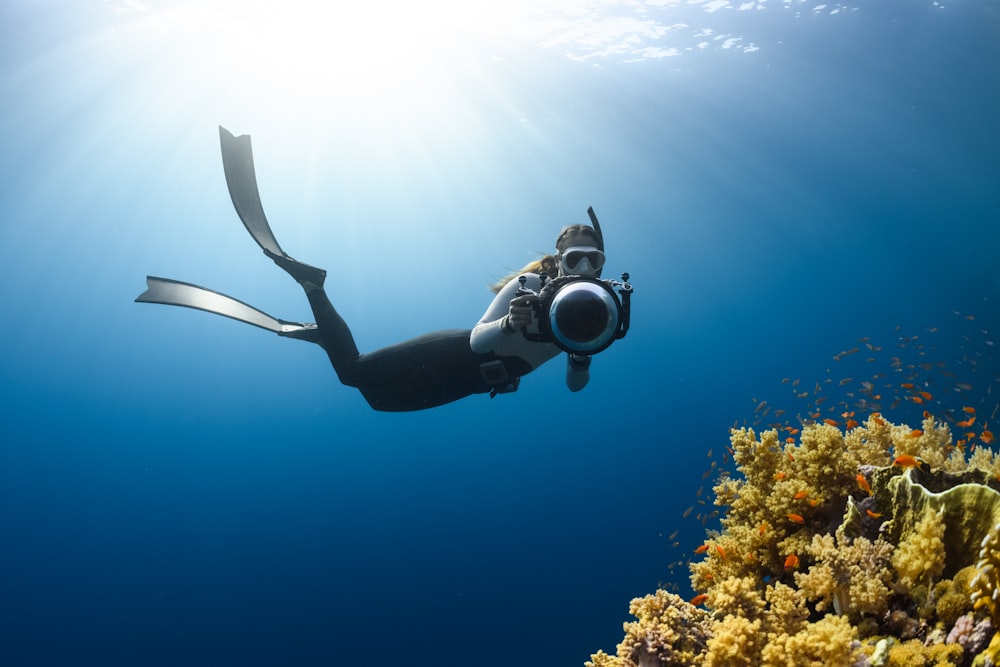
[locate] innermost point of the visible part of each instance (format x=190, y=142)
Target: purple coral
x=970, y=635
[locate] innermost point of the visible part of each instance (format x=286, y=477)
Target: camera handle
x=625, y=290
x=535, y=306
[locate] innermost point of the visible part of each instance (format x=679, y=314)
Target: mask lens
x=573, y=256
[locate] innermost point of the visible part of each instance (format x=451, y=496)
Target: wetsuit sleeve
x=488, y=333
x=577, y=372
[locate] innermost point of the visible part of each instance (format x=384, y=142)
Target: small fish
x=687, y=512
x=813, y=502
x=872, y=514
x=916, y=399
x=699, y=599
x=967, y=423
x=906, y=461
x=762, y=529
x=851, y=424
x=986, y=436
x=795, y=518
x=673, y=535
x=926, y=395
x=701, y=549
x=863, y=484
x=800, y=495
x=780, y=475
x=791, y=561
x=721, y=552
x=968, y=410
x=916, y=433
x=831, y=422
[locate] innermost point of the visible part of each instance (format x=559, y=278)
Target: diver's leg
x=335, y=336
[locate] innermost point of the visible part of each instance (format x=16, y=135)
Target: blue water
x=780, y=179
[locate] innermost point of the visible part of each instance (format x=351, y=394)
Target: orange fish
x=762, y=529
x=967, y=423
x=702, y=549
x=800, y=495
x=873, y=515
x=790, y=440
x=968, y=410
x=722, y=552
x=986, y=436
x=791, y=561
x=813, y=502
x=851, y=424
x=831, y=422
x=907, y=385
x=863, y=484
x=927, y=415
x=780, y=475
x=699, y=599
x=906, y=461
x=916, y=433
x=796, y=518
x=926, y=395
x=916, y=399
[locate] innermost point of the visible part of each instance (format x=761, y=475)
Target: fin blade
x=176, y=293
x=241, y=179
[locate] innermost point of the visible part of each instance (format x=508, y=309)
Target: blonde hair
x=547, y=263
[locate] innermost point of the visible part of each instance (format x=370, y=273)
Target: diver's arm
x=577, y=371
x=495, y=324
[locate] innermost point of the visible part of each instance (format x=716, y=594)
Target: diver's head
x=579, y=252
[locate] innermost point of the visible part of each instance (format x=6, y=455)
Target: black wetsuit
x=423, y=372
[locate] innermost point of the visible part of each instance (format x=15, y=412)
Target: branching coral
x=852, y=576
x=668, y=631
x=827, y=540
x=986, y=586
x=919, y=557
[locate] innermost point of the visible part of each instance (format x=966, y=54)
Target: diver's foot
x=310, y=277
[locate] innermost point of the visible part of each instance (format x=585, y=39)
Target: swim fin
x=241, y=179
x=177, y=293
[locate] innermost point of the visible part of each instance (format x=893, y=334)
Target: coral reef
x=854, y=547
x=668, y=632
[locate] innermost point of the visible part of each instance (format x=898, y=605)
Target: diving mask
x=581, y=260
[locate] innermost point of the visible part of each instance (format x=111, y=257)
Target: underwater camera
x=580, y=315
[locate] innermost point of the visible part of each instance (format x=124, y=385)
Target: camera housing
x=582, y=315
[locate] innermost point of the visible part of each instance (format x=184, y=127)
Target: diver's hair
x=547, y=263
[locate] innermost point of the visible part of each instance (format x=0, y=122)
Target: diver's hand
x=520, y=313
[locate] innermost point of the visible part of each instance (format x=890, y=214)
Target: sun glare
x=365, y=52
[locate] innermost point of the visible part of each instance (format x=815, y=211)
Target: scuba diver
x=531, y=319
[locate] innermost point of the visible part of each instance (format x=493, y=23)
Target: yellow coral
x=602, y=659
x=914, y=653
x=668, y=631
x=832, y=640
x=735, y=642
x=910, y=528
x=920, y=556
x=851, y=575
x=985, y=585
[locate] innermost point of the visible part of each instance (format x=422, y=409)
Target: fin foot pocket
x=300, y=271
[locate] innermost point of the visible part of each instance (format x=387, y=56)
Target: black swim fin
x=177, y=293
x=241, y=179
x=237, y=160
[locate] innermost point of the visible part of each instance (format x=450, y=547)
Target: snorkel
x=581, y=315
